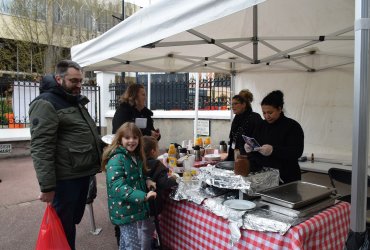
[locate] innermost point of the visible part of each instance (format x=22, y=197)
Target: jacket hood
x=48, y=82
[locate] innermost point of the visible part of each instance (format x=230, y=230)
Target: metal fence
x=176, y=92
x=15, y=97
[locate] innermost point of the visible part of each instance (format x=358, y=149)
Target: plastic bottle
x=199, y=142
x=207, y=142
x=208, y=146
x=172, y=159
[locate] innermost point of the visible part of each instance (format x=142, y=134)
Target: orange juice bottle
x=207, y=142
x=172, y=160
x=199, y=142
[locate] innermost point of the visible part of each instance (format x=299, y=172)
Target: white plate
x=108, y=138
x=212, y=157
x=240, y=204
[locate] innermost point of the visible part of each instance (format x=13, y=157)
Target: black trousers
x=69, y=202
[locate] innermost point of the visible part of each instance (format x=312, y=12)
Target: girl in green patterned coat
x=124, y=163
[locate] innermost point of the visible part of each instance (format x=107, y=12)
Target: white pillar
x=103, y=80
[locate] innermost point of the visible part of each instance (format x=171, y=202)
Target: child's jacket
x=126, y=188
x=159, y=174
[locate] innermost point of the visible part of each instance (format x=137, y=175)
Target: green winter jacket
x=126, y=188
x=65, y=143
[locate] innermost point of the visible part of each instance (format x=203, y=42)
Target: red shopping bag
x=51, y=234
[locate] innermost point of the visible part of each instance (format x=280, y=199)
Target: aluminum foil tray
x=296, y=194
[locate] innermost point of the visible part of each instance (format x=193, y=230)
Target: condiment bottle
x=172, y=159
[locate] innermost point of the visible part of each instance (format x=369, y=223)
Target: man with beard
x=65, y=144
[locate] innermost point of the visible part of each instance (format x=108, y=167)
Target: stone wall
x=18, y=149
x=177, y=130
x=172, y=130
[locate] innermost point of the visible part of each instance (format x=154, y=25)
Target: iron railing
x=15, y=97
x=176, y=92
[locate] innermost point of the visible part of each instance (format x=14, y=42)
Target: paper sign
x=140, y=122
x=203, y=127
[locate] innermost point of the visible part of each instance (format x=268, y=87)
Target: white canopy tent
x=225, y=36
x=298, y=36
x=242, y=36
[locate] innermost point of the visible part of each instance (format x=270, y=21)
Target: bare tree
x=43, y=31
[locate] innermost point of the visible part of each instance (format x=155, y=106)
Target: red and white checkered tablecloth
x=185, y=225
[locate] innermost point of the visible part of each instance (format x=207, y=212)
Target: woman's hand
x=247, y=148
x=265, y=150
x=151, y=185
x=150, y=195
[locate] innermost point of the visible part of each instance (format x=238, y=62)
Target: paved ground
x=21, y=212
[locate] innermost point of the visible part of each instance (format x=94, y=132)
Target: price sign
x=203, y=127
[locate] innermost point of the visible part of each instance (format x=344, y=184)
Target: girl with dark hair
x=282, y=140
x=244, y=122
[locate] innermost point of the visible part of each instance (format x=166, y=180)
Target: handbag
x=51, y=234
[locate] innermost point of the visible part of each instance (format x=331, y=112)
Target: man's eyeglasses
x=75, y=80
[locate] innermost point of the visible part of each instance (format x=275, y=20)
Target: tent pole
x=149, y=90
x=196, y=106
x=255, y=34
x=232, y=87
x=361, y=118
x=123, y=10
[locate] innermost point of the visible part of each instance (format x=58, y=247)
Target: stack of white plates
x=212, y=157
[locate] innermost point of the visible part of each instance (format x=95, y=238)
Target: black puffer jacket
x=243, y=124
x=159, y=174
x=127, y=113
x=65, y=143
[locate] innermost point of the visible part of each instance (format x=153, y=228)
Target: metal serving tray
x=303, y=211
x=228, y=165
x=296, y=194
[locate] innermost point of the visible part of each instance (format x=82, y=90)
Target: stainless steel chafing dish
x=296, y=194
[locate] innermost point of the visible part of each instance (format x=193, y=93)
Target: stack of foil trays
x=256, y=219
